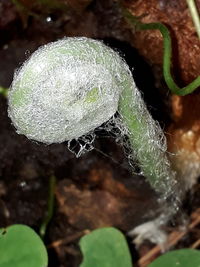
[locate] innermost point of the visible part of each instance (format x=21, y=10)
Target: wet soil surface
x=96, y=189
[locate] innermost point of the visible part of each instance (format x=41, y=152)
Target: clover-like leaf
x=105, y=247
x=20, y=246
x=178, y=258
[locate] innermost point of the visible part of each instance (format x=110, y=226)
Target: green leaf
x=20, y=246
x=105, y=247
x=178, y=258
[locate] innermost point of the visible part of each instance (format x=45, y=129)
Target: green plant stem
x=167, y=53
x=194, y=14
x=50, y=206
x=146, y=144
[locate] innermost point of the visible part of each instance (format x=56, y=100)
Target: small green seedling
x=20, y=246
x=68, y=88
x=167, y=48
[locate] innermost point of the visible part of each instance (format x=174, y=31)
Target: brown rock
x=89, y=209
x=103, y=201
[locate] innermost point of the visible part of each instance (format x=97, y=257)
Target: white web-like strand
x=82, y=145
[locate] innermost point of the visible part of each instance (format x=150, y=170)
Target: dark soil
x=98, y=188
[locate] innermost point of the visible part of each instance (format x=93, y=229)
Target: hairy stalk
x=149, y=145
x=167, y=53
